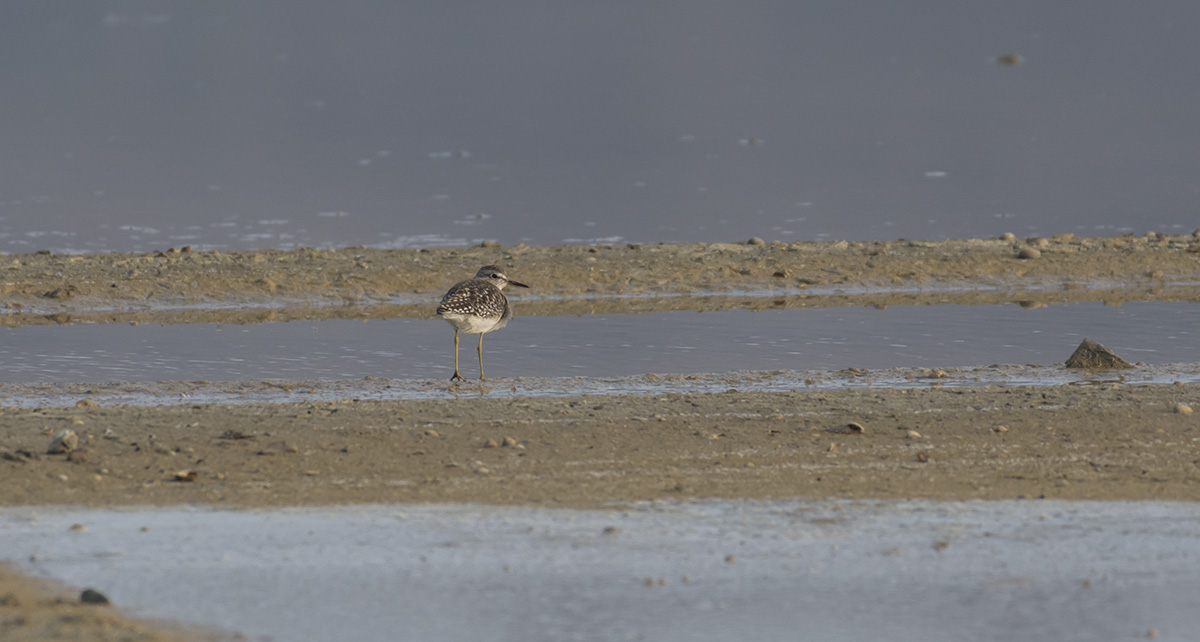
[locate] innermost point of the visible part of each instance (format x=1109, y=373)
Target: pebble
x=92, y=596
x=64, y=441
x=186, y=476
x=1008, y=236
x=912, y=434
x=755, y=241
x=854, y=426
x=509, y=442
x=1001, y=429
x=432, y=433
x=1183, y=409
x=491, y=443
x=1029, y=253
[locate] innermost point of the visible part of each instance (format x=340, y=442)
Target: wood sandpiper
x=477, y=306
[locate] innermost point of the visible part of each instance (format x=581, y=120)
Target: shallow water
x=837, y=570
x=286, y=123
x=945, y=336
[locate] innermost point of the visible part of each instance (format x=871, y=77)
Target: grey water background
x=138, y=125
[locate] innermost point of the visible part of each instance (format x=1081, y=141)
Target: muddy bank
x=283, y=311
x=36, y=611
x=1106, y=441
x=43, y=284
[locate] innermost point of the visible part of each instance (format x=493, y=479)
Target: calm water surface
x=282, y=123
x=603, y=346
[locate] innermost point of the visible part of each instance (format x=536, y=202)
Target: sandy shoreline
x=1104, y=441
x=180, y=287
x=1097, y=441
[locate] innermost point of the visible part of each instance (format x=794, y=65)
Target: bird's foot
x=456, y=377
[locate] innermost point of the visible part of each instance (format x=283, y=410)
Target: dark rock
x=92, y=596
x=1093, y=356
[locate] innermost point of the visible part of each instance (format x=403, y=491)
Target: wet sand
x=182, y=287
x=1099, y=441
x=1103, y=441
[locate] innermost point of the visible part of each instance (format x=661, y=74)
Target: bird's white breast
x=471, y=324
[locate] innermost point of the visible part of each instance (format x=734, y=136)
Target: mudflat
x=174, y=286
x=1102, y=440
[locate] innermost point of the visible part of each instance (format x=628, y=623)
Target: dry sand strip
x=45, y=284
x=1106, y=441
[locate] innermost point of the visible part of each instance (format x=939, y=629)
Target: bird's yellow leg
x=480, y=351
x=456, y=376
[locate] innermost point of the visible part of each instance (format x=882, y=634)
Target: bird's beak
x=520, y=285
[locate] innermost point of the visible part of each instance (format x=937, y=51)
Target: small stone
x=912, y=434
x=1001, y=429
x=730, y=559
x=491, y=443
x=508, y=442
x=855, y=427
x=1008, y=236
x=941, y=545
x=77, y=528
x=1183, y=409
x=78, y=456
x=85, y=403
x=186, y=476
x=431, y=433
x=92, y=596
x=1039, y=241
x=755, y=241
x=611, y=530
x=64, y=441
x=1094, y=356
x=1064, y=237
x=1029, y=253
x=489, y=244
